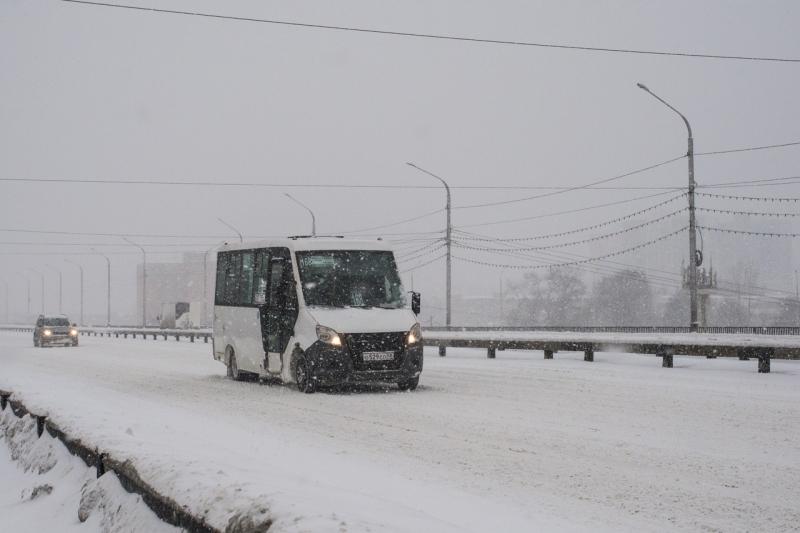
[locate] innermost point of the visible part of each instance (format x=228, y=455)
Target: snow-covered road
x=512, y=444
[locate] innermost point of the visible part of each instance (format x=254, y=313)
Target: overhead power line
x=660, y=277
x=749, y=149
x=577, y=262
x=566, y=212
x=748, y=198
x=444, y=37
x=748, y=213
x=751, y=233
x=582, y=241
x=175, y=183
x=426, y=263
x=748, y=183
x=575, y=188
x=582, y=229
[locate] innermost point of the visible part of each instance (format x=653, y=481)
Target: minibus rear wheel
x=233, y=368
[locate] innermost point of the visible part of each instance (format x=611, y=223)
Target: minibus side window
x=260, y=281
x=246, y=279
x=232, y=274
x=222, y=266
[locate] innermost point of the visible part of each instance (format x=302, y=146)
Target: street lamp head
x=643, y=87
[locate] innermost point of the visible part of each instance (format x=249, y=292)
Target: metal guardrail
x=133, y=332
x=716, y=330
x=661, y=344
x=662, y=341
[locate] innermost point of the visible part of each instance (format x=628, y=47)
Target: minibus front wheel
x=302, y=375
x=409, y=384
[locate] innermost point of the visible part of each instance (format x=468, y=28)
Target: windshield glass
x=350, y=278
x=56, y=322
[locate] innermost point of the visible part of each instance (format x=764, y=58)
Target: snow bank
x=45, y=488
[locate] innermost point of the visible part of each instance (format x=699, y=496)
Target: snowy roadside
x=512, y=444
x=45, y=488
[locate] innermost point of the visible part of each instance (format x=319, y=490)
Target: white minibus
x=315, y=311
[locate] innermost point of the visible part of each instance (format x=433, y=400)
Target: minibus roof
x=311, y=243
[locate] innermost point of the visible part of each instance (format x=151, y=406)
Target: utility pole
x=448, y=241
x=108, y=289
x=81, y=269
x=692, y=225
x=144, y=280
x=60, y=287
x=301, y=204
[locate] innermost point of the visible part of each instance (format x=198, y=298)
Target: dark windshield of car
x=56, y=322
x=350, y=278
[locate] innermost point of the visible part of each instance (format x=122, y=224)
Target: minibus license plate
x=378, y=356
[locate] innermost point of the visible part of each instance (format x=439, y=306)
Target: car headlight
x=328, y=336
x=414, y=335
x=73, y=332
x=47, y=333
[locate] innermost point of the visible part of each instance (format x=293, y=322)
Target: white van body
x=288, y=302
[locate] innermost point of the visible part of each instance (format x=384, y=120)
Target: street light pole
x=448, y=241
x=239, y=233
x=301, y=204
x=144, y=280
x=692, y=224
x=41, y=276
x=108, y=289
x=81, y=269
x=60, y=287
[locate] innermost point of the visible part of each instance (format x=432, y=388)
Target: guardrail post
x=177, y=338
x=205, y=339
x=548, y=354
x=101, y=466
x=763, y=363
x=442, y=350
x=491, y=352
x=134, y=335
x=40, y=425
x=191, y=337
x=588, y=354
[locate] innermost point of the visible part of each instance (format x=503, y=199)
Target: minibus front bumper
x=331, y=365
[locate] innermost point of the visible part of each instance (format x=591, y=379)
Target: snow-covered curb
x=45, y=488
x=34, y=441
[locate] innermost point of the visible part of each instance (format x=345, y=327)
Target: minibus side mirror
x=415, y=302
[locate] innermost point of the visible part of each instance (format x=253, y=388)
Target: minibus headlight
x=328, y=336
x=47, y=333
x=73, y=332
x=414, y=335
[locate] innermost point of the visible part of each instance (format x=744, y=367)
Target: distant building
x=169, y=283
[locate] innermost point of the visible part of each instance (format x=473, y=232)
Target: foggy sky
x=93, y=92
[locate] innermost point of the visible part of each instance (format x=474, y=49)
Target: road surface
x=512, y=444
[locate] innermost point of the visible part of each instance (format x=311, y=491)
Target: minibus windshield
x=350, y=278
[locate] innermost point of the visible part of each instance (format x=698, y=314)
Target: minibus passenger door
x=281, y=309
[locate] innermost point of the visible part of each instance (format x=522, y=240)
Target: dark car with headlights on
x=55, y=329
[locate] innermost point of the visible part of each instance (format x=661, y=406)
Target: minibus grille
x=360, y=343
